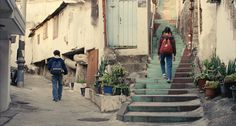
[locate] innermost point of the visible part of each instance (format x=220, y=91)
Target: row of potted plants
x=216, y=77
x=111, y=80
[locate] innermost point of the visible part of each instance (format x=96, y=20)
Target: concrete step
x=163, y=91
x=184, y=69
x=151, y=86
x=182, y=80
x=146, y=80
x=183, y=74
x=164, y=106
x=164, y=98
x=164, y=117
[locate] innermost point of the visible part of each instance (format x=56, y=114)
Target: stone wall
x=184, y=22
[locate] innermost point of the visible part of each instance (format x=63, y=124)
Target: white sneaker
x=164, y=76
x=168, y=81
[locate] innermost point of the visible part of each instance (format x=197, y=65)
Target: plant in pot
x=107, y=86
x=229, y=81
x=210, y=88
x=98, y=83
x=118, y=76
x=200, y=80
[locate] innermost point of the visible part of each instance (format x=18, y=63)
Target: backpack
x=56, y=68
x=166, y=47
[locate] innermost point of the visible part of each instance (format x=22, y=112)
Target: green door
x=122, y=23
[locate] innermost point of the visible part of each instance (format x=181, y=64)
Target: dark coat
x=57, y=59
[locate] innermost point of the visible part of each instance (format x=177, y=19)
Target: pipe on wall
x=104, y=21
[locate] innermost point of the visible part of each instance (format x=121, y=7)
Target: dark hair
x=167, y=30
x=56, y=52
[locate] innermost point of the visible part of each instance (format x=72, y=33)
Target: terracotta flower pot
x=201, y=84
x=210, y=92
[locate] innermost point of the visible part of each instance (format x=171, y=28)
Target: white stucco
x=226, y=40
x=36, y=11
x=75, y=31
x=4, y=74
x=207, y=38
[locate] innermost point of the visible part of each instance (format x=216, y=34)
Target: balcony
x=11, y=19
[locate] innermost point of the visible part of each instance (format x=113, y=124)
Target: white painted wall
x=75, y=28
x=207, y=38
x=36, y=12
x=4, y=74
x=226, y=40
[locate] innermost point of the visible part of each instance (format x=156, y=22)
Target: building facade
x=92, y=26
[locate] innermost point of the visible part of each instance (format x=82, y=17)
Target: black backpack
x=56, y=68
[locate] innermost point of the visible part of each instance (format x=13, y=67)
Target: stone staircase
x=154, y=100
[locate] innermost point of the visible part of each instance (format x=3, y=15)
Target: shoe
x=168, y=81
x=164, y=76
x=55, y=100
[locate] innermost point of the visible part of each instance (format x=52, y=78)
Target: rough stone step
x=183, y=74
x=186, y=61
x=182, y=80
x=164, y=106
x=163, y=91
x=164, y=117
x=135, y=67
x=185, y=65
x=164, y=98
x=182, y=85
x=132, y=59
x=184, y=69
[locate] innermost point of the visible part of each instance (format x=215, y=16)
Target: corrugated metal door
x=122, y=23
x=92, y=67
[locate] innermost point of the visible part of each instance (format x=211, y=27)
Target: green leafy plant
x=212, y=84
x=230, y=78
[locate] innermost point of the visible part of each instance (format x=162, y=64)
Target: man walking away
x=57, y=67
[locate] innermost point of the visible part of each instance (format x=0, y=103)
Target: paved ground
x=33, y=106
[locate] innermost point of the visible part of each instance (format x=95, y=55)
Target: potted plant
x=210, y=88
x=118, y=76
x=107, y=83
x=229, y=81
x=200, y=80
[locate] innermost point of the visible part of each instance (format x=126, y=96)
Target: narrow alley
x=120, y=62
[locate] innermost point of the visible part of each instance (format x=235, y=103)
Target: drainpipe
x=105, y=22
x=190, y=35
x=21, y=51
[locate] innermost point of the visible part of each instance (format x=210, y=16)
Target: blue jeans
x=168, y=59
x=57, y=87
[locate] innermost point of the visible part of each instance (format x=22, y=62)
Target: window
x=200, y=11
x=94, y=11
x=38, y=39
x=45, y=31
x=55, y=27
